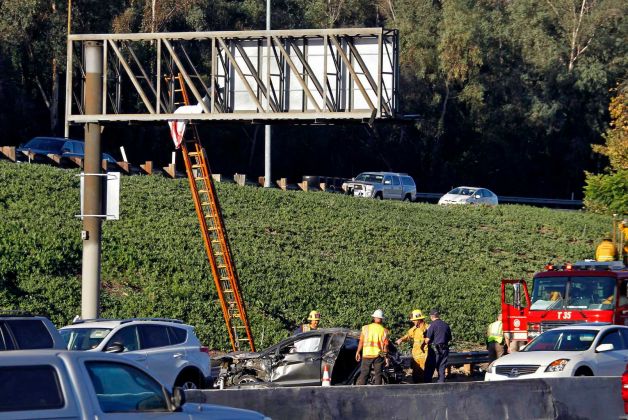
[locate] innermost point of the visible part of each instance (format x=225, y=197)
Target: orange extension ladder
x=214, y=234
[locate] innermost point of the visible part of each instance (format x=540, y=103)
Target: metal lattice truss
x=254, y=76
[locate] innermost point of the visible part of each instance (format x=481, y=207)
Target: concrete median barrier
x=561, y=398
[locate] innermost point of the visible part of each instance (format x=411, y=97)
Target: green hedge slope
x=294, y=252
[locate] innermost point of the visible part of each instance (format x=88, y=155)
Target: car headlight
x=557, y=365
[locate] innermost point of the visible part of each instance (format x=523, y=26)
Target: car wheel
x=247, y=379
x=379, y=196
x=407, y=198
x=188, y=381
x=583, y=371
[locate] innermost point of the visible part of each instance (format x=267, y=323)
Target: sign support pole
x=92, y=225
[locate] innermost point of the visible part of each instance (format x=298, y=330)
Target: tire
x=407, y=198
x=379, y=196
x=189, y=380
x=247, y=379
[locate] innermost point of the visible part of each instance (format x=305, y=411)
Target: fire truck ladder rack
x=215, y=235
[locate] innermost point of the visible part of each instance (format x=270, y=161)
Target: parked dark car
x=23, y=331
x=300, y=360
x=38, y=148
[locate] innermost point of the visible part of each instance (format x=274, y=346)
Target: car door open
x=299, y=362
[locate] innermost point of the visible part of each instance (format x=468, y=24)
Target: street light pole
x=267, y=148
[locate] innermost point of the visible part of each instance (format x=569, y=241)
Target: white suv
x=166, y=348
x=382, y=185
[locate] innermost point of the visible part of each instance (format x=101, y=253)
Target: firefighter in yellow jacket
x=419, y=354
x=315, y=318
x=373, y=349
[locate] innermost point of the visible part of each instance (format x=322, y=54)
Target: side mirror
x=477, y=196
x=604, y=347
x=114, y=348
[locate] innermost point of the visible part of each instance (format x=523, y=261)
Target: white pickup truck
x=59, y=384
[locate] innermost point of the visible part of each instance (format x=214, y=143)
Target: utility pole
x=92, y=205
x=267, y=144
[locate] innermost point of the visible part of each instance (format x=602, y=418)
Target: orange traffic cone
x=326, y=380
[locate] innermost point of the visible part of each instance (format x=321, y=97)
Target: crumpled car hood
x=239, y=356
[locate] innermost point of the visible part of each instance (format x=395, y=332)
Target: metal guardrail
x=469, y=357
x=557, y=202
x=313, y=183
x=458, y=358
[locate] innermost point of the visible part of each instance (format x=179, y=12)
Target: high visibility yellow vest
x=495, y=332
x=375, y=340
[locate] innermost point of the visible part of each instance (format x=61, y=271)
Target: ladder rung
x=197, y=166
x=194, y=153
x=243, y=339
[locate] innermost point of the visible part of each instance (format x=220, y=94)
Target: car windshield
x=370, y=177
x=462, y=191
x=83, y=338
x=573, y=293
x=44, y=143
x=563, y=340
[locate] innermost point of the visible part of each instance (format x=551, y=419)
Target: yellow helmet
x=416, y=315
x=314, y=316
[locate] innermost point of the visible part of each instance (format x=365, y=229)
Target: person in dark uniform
x=437, y=337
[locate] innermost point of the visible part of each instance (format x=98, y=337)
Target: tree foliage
x=609, y=192
x=502, y=90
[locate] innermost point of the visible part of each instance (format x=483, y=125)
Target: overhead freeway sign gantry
x=331, y=76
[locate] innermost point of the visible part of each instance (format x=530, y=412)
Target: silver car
x=166, y=348
x=382, y=185
x=469, y=195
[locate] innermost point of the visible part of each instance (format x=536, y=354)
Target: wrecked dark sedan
x=300, y=361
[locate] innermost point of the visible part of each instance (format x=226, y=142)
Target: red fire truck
x=587, y=291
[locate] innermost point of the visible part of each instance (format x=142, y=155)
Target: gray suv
x=382, y=185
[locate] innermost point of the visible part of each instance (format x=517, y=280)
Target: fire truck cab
x=587, y=291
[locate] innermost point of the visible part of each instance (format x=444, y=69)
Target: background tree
x=608, y=193
x=501, y=91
